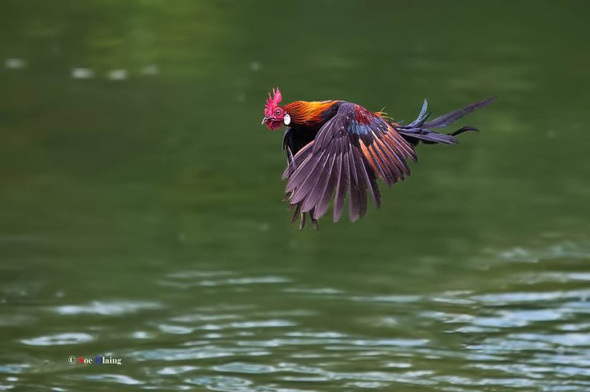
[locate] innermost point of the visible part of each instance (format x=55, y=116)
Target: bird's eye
x=278, y=112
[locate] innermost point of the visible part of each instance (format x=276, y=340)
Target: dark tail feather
x=467, y=128
x=421, y=131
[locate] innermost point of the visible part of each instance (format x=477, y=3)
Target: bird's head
x=275, y=116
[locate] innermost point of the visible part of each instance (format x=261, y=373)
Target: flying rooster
x=338, y=148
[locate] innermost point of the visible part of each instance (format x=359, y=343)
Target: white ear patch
x=287, y=119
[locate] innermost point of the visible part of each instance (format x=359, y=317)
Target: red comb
x=273, y=101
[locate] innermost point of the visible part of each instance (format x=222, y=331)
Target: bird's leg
x=303, y=216
x=296, y=213
x=315, y=224
x=302, y=224
x=314, y=221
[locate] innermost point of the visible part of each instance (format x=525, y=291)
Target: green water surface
x=141, y=214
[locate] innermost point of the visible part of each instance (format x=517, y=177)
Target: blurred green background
x=141, y=213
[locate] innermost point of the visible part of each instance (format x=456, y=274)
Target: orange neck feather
x=307, y=113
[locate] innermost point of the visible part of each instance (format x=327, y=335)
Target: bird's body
x=338, y=148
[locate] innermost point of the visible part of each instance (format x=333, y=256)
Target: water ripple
x=186, y=283
x=59, y=339
x=565, y=250
x=107, y=308
x=501, y=299
x=240, y=367
x=193, y=353
x=112, y=378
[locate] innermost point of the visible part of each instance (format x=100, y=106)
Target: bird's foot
x=302, y=223
x=314, y=222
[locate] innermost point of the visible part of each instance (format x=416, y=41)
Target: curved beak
x=265, y=119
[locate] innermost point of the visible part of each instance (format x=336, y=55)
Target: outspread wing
x=346, y=157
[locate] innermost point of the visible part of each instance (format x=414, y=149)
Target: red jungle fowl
x=335, y=148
